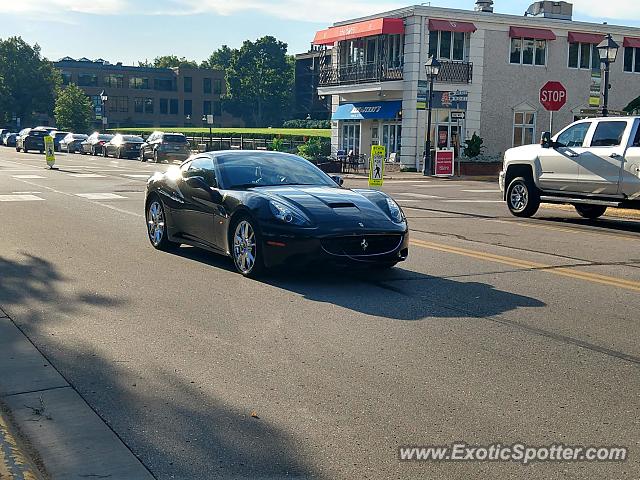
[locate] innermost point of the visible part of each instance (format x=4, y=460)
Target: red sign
x=553, y=96
x=444, y=163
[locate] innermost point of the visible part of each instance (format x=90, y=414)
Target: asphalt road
x=496, y=330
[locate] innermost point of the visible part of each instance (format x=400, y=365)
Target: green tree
x=220, y=59
x=73, y=110
x=172, y=61
x=260, y=82
x=29, y=81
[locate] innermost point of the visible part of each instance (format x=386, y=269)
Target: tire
x=590, y=211
x=18, y=149
x=142, y=159
x=523, y=197
x=246, y=247
x=25, y=150
x=157, y=226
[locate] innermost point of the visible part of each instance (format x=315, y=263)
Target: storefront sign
x=595, y=88
x=376, y=165
x=444, y=163
x=368, y=110
x=454, y=99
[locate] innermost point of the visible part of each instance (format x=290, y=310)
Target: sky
x=133, y=30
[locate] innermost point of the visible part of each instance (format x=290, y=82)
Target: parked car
x=123, y=146
x=9, y=139
x=94, y=143
x=161, y=146
x=265, y=209
x=48, y=129
x=3, y=131
x=31, y=139
x=71, y=142
x=592, y=164
x=57, y=136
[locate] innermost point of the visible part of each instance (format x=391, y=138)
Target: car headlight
x=287, y=214
x=395, y=211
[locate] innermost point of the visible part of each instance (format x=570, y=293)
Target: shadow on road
x=168, y=421
x=614, y=225
x=397, y=293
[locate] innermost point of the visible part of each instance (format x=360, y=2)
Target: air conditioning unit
x=548, y=9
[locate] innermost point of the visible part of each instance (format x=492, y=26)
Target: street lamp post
x=608, y=52
x=104, y=98
x=432, y=68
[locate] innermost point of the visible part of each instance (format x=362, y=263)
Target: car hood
x=525, y=152
x=335, y=208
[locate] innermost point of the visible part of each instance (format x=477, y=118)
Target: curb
x=14, y=463
x=68, y=437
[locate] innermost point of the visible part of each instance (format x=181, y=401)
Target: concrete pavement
x=496, y=330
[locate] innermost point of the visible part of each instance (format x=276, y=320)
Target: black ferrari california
x=265, y=209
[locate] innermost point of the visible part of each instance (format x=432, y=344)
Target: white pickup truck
x=591, y=164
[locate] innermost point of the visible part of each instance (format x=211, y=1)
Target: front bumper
x=299, y=249
x=501, y=180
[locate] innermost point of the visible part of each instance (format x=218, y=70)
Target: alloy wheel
x=155, y=223
x=519, y=197
x=244, y=247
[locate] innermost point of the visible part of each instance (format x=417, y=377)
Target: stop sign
x=553, y=96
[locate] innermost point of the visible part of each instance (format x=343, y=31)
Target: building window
x=394, y=48
x=173, y=106
x=164, y=106
x=188, y=107
x=188, y=84
x=583, y=55
x=87, y=80
x=528, y=51
x=148, y=105
x=118, y=104
x=447, y=45
x=139, y=83
x=632, y=59
x=66, y=78
x=163, y=84
x=114, y=81
x=524, y=128
x=217, y=86
x=206, y=85
x=217, y=109
x=138, y=105
x=206, y=107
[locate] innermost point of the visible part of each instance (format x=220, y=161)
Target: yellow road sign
x=376, y=165
x=49, y=151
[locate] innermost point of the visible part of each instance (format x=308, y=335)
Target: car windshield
x=105, y=137
x=79, y=136
x=174, y=138
x=38, y=133
x=131, y=138
x=246, y=169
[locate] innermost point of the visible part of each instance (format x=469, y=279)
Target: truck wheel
x=523, y=198
x=590, y=211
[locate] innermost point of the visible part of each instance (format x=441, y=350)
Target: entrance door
x=351, y=137
x=392, y=137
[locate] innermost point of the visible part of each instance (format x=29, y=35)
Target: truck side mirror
x=545, y=141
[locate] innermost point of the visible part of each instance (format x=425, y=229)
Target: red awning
x=579, y=37
x=631, y=42
x=537, y=33
x=451, y=26
x=378, y=26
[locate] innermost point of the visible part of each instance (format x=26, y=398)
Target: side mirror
x=338, y=179
x=545, y=140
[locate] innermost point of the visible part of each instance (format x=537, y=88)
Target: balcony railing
x=455, y=72
x=358, y=73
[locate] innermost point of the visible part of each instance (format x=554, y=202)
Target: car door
x=602, y=163
x=559, y=166
x=197, y=213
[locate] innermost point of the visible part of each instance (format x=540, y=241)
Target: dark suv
x=161, y=146
x=31, y=139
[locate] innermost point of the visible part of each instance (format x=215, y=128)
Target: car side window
x=574, y=136
x=608, y=134
x=203, y=167
x=636, y=141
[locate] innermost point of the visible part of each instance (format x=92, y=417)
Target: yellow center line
x=514, y=262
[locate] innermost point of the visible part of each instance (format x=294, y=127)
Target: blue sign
x=368, y=110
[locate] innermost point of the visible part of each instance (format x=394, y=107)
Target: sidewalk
x=419, y=177
x=14, y=463
x=67, y=435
